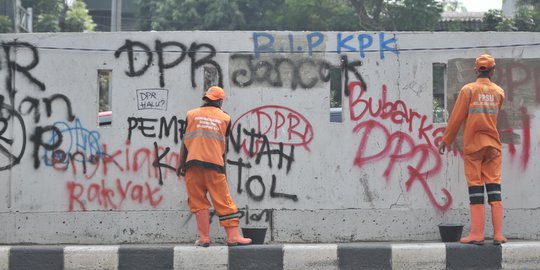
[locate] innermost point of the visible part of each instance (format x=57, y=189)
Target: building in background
x=509, y=8
x=102, y=13
x=460, y=21
x=20, y=16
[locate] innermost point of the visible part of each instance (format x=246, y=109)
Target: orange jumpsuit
x=477, y=105
x=205, y=140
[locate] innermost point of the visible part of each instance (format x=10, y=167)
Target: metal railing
x=24, y=19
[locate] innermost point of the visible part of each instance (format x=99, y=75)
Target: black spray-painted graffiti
x=152, y=99
x=13, y=66
x=263, y=150
x=158, y=164
x=147, y=127
x=28, y=105
x=34, y=106
x=46, y=131
x=160, y=48
x=12, y=153
x=265, y=215
x=305, y=72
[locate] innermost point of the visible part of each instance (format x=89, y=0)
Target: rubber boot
x=234, y=238
x=478, y=221
x=497, y=218
x=203, y=225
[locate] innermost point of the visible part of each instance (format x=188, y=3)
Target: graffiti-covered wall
x=369, y=172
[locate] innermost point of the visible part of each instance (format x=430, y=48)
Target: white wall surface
x=342, y=182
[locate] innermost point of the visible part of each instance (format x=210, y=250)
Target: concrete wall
x=374, y=176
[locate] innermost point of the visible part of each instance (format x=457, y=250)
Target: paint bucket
x=450, y=232
x=257, y=235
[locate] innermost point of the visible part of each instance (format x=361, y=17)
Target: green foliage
x=528, y=9
x=321, y=15
x=453, y=6
x=145, y=13
x=77, y=18
x=398, y=15
x=492, y=19
x=369, y=13
x=192, y=15
x=527, y=18
x=412, y=15
x=47, y=23
x=438, y=111
x=506, y=25
x=524, y=20
x=297, y=15
x=6, y=25
x=455, y=26
x=317, y=15
x=261, y=14
x=56, y=16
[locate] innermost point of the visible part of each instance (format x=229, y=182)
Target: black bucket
x=257, y=235
x=450, y=232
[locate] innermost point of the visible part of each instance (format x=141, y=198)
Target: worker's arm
x=182, y=163
x=458, y=115
x=227, y=133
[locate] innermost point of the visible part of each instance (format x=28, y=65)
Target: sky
x=481, y=5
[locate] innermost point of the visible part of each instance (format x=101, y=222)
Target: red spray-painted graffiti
x=124, y=160
x=278, y=124
x=399, y=147
x=507, y=135
x=106, y=197
x=526, y=124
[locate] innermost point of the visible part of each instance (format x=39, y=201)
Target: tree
x=306, y=15
x=368, y=12
x=6, y=25
x=506, y=25
x=398, y=15
x=492, y=18
x=58, y=16
x=317, y=15
x=77, y=18
x=524, y=20
x=453, y=6
x=413, y=15
x=192, y=15
x=527, y=18
x=261, y=14
x=528, y=10
x=145, y=12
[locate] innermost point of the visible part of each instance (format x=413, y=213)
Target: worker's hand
x=181, y=171
x=442, y=147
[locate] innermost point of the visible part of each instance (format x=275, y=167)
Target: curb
x=514, y=255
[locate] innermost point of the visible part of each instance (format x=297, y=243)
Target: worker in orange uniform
x=203, y=163
x=477, y=105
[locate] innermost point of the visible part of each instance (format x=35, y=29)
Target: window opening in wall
x=105, y=97
x=336, y=109
x=210, y=77
x=439, y=86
